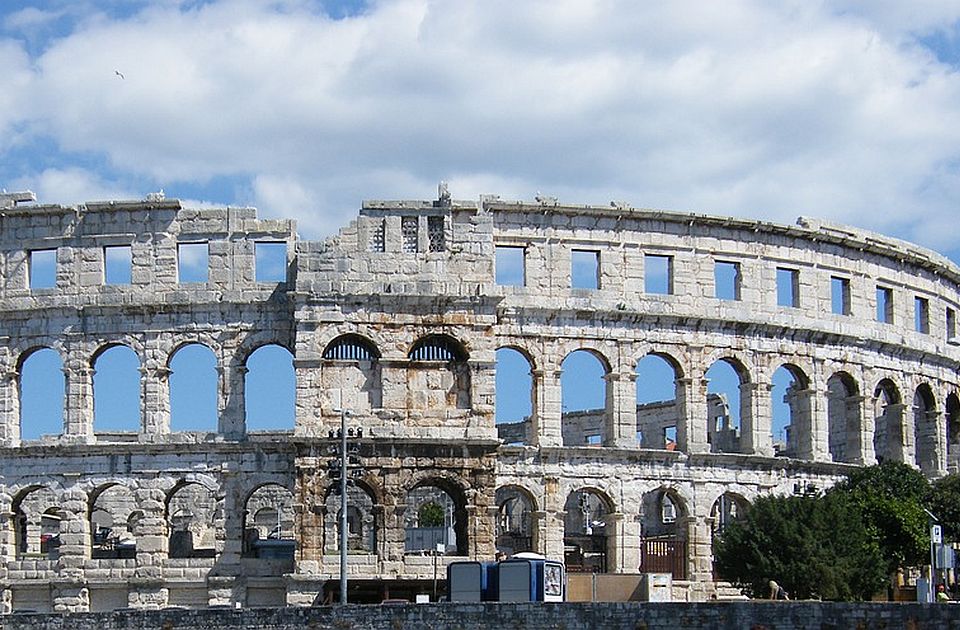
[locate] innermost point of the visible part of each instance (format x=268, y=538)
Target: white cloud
x=73, y=185
x=741, y=107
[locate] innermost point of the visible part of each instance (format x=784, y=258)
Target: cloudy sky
x=844, y=110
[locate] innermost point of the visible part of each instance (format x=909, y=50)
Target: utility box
x=656, y=587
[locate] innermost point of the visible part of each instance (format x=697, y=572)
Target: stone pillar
x=230, y=531
x=804, y=424
x=74, y=534
x=624, y=543
x=78, y=405
x=147, y=588
x=394, y=534
x=859, y=438
x=699, y=547
x=308, y=420
x=10, y=409
x=8, y=535
x=691, y=405
x=756, y=419
x=621, y=412
x=151, y=531
x=898, y=442
x=931, y=430
x=549, y=408
x=481, y=539
x=551, y=533
x=154, y=401
x=231, y=408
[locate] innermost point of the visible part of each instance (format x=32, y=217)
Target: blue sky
x=845, y=110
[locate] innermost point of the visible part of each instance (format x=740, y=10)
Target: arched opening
x=116, y=390
x=514, y=397
x=193, y=389
x=37, y=519
x=663, y=534
x=268, y=524
x=843, y=418
x=113, y=515
x=790, y=431
x=435, y=516
x=270, y=389
x=925, y=430
x=729, y=507
x=657, y=412
x=42, y=388
x=953, y=433
x=191, y=521
x=438, y=376
x=585, y=399
x=352, y=375
x=724, y=406
x=361, y=520
x=888, y=422
x=588, y=544
x=515, y=525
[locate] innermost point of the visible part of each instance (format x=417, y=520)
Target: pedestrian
x=777, y=591
x=942, y=594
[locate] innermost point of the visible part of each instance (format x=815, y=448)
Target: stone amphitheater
x=401, y=320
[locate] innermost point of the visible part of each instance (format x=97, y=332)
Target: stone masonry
x=399, y=319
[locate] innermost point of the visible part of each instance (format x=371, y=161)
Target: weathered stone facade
x=398, y=319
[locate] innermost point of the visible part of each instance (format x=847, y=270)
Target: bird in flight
x=119, y=74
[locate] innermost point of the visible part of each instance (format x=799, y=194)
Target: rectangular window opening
x=408, y=231
x=435, y=234
x=951, y=324
x=42, y=268
x=585, y=269
x=192, y=262
x=117, y=265
x=726, y=279
x=840, y=295
x=921, y=315
x=271, y=261
x=509, y=263
x=788, y=287
x=885, y=305
x=670, y=437
x=658, y=274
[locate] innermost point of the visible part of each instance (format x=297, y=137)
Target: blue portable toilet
x=471, y=581
x=530, y=579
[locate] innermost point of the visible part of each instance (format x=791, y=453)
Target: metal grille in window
x=408, y=229
x=350, y=348
x=378, y=237
x=436, y=349
x=435, y=234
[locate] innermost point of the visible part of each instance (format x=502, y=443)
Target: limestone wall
x=398, y=319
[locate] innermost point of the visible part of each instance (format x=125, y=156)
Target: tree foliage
x=891, y=496
x=430, y=515
x=945, y=504
x=815, y=547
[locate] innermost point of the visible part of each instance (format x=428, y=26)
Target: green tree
x=815, y=547
x=891, y=496
x=430, y=515
x=945, y=505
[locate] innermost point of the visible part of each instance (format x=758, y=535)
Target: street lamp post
x=343, y=506
x=342, y=465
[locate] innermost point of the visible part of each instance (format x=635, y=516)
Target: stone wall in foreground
x=647, y=616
